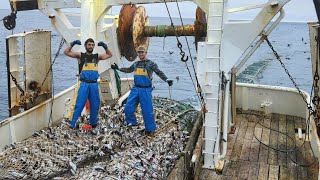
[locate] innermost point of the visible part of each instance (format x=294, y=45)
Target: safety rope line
x=182, y=53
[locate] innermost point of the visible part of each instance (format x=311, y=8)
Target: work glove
x=104, y=45
x=114, y=66
x=75, y=42
x=170, y=82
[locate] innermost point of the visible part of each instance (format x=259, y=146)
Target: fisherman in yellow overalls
x=88, y=87
x=141, y=92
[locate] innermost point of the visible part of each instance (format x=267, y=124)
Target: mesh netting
x=116, y=152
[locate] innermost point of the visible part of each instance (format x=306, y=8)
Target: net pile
x=117, y=152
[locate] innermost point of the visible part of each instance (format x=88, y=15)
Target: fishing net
x=116, y=152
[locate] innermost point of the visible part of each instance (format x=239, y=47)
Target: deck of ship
x=247, y=158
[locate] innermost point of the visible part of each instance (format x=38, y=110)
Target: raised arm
x=70, y=53
x=108, y=53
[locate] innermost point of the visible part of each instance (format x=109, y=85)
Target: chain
x=15, y=80
x=182, y=53
x=312, y=111
x=54, y=59
x=183, y=59
x=38, y=90
x=316, y=99
x=193, y=66
x=17, y=84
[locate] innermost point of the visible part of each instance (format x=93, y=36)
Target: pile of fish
x=115, y=152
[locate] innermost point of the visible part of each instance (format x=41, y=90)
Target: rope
x=286, y=150
x=118, y=82
x=161, y=31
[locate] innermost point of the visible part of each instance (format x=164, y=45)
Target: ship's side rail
x=25, y=124
x=22, y=126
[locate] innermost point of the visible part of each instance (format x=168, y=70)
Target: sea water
x=291, y=40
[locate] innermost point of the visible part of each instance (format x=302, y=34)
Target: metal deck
x=247, y=158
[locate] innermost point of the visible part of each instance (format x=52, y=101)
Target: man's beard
x=89, y=50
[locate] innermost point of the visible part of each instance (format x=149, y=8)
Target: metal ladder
x=212, y=83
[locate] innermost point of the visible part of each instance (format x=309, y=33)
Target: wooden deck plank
x=253, y=171
x=255, y=145
x=302, y=172
x=244, y=167
x=245, y=153
x=273, y=172
x=233, y=169
x=283, y=172
x=263, y=171
x=231, y=141
x=282, y=143
x=237, y=149
x=248, y=159
x=292, y=172
x=263, y=153
x=257, y=133
x=312, y=170
x=273, y=154
x=250, y=130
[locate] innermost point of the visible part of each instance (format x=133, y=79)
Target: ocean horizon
x=296, y=57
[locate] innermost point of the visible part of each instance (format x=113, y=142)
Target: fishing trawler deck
x=247, y=158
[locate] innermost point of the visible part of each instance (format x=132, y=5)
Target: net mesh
x=113, y=151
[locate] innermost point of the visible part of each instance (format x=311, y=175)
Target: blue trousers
x=144, y=97
x=86, y=91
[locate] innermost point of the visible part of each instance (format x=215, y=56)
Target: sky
x=296, y=10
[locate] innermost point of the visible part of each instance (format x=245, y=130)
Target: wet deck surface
x=247, y=158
